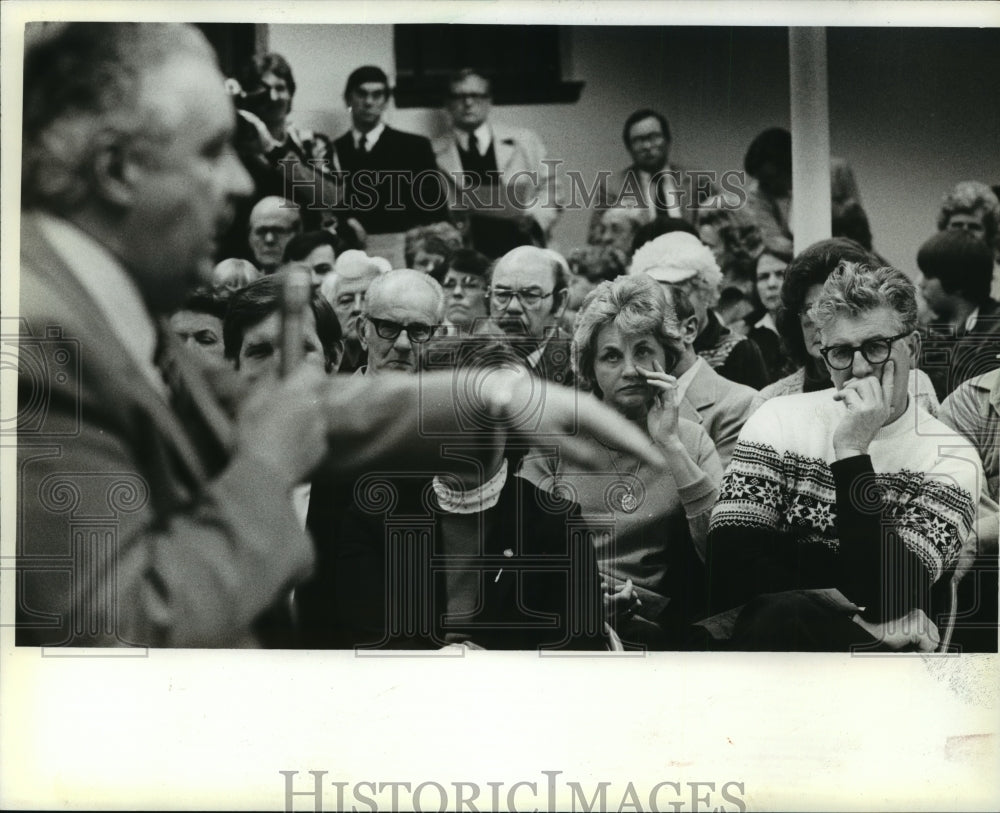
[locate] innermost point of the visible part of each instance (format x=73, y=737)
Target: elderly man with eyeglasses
x=843, y=507
x=527, y=296
x=403, y=308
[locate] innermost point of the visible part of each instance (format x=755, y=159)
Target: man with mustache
x=528, y=295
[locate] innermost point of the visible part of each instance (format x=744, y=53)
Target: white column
x=810, y=216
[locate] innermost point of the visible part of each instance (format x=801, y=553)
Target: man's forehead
x=524, y=272
x=645, y=127
x=371, y=87
x=354, y=284
x=274, y=214
x=405, y=301
x=470, y=83
x=878, y=323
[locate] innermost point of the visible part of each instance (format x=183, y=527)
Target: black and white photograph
x=461, y=406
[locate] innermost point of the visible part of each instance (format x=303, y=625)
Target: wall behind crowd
x=913, y=110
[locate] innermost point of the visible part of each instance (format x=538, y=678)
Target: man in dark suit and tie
x=392, y=183
x=496, y=172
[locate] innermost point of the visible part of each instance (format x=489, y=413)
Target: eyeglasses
x=528, y=297
x=467, y=283
x=875, y=351
x=471, y=97
x=386, y=329
x=652, y=138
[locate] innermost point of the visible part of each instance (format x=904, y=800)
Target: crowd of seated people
x=682, y=315
x=689, y=433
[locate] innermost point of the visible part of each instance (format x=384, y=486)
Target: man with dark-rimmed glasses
x=841, y=509
x=403, y=308
x=527, y=296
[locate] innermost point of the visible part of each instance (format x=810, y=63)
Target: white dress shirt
x=366, y=141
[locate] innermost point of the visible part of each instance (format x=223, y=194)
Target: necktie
x=474, y=144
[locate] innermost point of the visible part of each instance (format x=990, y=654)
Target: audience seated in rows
x=649, y=525
x=963, y=334
x=762, y=327
x=528, y=294
x=274, y=221
x=465, y=284
x=681, y=259
x=345, y=289
x=798, y=537
x=316, y=249
x=588, y=267
x=800, y=334
x=721, y=406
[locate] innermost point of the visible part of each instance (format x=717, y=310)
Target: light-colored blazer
x=519, y=154
x=721, y=406
x=134, y=524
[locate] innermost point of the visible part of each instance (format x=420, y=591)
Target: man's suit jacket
x=368, y=196
x=518, y=152
x=721, y=406
x=626, y=188
x=134, y=527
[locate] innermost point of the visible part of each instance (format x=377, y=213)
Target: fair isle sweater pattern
x=793, y=494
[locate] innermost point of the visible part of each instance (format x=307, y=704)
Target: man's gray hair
x=857, y=288
x=400, y=275
x=82, y=86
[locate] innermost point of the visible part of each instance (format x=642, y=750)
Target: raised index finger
x=888, y=382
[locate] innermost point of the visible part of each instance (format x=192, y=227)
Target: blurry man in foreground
x=148, y=515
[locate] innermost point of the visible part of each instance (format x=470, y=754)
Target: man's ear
x=913, y=346
x=559, y=301
x=114, y=171
x=689, y=329
x=362, y=326
x=335, y=357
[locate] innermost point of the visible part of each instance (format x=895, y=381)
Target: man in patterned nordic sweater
x=853, y=488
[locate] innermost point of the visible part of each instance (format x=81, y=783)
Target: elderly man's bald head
x=274, y=221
